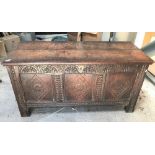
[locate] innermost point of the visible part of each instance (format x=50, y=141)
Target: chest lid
x=77, y=52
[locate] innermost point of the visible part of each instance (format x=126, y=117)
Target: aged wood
x=14, y=77
x=45, y=74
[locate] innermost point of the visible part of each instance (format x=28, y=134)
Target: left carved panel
x=38, y=87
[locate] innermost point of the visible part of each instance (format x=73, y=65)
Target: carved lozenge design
x=37, y=86
x=78, y=87
x=119, y=85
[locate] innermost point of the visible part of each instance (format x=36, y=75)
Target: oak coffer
x=50, y=74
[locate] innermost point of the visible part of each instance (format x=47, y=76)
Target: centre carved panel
x=78, y=87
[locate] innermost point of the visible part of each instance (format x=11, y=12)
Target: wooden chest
x=46, y=74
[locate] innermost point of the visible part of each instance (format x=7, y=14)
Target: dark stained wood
x=37, y=87
x=78, y=56
x=121, y=90
x=78, y=87
x=46, y=74
x=98, y=52
x=45, y=45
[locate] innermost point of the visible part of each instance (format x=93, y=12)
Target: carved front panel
x=38, y=87
x=119, y=85
x=73, y=68
x=78, y=87
x=77, y=83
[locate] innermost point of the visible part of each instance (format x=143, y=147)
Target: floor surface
x=144, y=111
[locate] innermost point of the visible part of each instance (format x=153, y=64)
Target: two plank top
x=77, y=52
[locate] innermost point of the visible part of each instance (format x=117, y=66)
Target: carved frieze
x=75, y=68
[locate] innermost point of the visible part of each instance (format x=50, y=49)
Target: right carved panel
x=119, y=85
